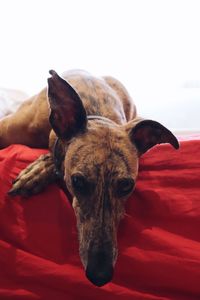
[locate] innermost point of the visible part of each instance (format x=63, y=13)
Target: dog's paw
x=35, y=177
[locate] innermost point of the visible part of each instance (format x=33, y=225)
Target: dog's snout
x=99, y=269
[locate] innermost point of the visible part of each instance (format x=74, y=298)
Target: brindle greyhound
x=95, y=141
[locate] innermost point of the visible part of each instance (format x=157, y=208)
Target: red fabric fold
x=159, y=238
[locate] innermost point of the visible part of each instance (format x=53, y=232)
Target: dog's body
x=105, y=97
x=95, y=145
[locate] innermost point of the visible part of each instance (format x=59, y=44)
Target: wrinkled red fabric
x=159, y=238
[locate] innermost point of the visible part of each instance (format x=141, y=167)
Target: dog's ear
x=67, y=114
x=147, y=133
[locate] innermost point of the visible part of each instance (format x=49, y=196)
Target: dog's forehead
x=103, y=147
x=102, y=140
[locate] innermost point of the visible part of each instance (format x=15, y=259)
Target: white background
x=152, y=46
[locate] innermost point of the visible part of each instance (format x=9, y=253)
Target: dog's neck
x=101, y=118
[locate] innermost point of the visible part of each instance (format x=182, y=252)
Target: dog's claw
x=13, y=192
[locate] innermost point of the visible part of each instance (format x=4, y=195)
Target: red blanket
x=159, y=238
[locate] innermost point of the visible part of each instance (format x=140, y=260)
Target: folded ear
x=67, y=114
x=148, y=133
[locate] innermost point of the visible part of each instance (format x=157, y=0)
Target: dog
x=95, y=140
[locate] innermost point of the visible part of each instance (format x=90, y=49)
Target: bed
x=159, y=238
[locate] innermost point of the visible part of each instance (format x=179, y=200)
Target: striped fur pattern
x=100, y=141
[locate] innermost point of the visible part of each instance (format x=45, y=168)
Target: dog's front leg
x=35, y=177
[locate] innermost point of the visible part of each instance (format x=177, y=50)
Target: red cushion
x=159, y=238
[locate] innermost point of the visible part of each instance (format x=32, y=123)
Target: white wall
x=152, y=46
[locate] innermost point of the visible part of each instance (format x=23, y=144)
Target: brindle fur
x=104, y=151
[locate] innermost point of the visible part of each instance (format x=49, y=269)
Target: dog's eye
x=124, y=186
x=81, y=185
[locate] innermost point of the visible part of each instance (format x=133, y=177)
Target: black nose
x=99, y=269
x=101, y=276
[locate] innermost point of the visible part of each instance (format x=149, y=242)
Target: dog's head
x=100, y=164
